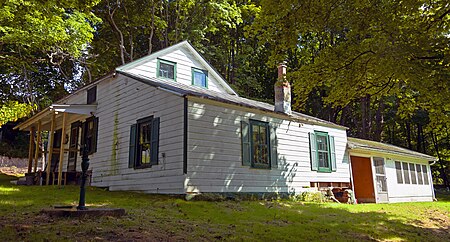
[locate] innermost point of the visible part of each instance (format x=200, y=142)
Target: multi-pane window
x=425, y=175
x=199, y=78
x=323, y=151
x=323, y=156
x=412, y=171
x=398, y=170
x=166, y=69
x=419, y=174
x=406, y=172
x=259, y=144
x=144, y=142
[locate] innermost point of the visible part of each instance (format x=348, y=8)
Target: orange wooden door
x=363, y=179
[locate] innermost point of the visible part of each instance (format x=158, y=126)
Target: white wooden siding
x=214, y=153
x=185, y=61
x=129, y=100
x=407, y=192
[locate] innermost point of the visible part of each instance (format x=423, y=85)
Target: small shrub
x=310, y=196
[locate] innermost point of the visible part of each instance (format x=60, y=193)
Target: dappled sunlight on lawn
x=8, y=190
x=21, y=203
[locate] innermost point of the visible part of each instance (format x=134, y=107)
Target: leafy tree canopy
x=359, y=48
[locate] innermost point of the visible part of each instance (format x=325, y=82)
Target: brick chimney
x=282, y=91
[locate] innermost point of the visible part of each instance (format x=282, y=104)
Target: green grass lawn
x=158, y=217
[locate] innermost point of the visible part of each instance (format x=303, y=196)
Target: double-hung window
x=167, y=69
x=199, y=78
x=144, y=143
x=259, y=144
x=323, y=155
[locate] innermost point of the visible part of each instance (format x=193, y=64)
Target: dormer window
x=199, y=78
x=167, y=69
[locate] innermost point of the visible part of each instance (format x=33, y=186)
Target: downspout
x=431, y=180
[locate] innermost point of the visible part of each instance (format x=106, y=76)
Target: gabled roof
x=188, y=46
x=186, y=90
x=368, y=145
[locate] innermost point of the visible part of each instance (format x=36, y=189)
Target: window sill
x=324, y=171
x=143, y=166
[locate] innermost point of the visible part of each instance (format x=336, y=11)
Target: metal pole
x=84, y=168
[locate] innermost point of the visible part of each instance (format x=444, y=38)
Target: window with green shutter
x=322, y=152
x=144, y=143
x=259, y=144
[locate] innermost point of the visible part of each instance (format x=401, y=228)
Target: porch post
x=30, y=150
x=38, y=141
x=61, y=149
x=50, y=153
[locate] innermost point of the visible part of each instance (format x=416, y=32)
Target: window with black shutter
x=144, y=143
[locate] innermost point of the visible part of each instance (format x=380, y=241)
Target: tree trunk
x=379, y=119
x=364, y=117
x=152, y=30
x=408, y=134
x=442, y=168
x=118, y=31
x=344, y=113
x=419, y=138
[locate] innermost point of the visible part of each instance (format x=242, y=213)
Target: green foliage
x=39, y=38
x=12, y=111
x=316, y=197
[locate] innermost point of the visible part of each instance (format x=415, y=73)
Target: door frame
x=356, y=185
x=379, y=195
x=73, y=145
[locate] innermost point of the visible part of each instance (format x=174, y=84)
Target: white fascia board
x=75, y=108
x=190, y=48
x=146, y=58
x=211, y=70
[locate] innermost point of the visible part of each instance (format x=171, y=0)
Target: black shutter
x=273, y=147
x=83, y=137
x=132, y=150
x=154, y=145
x=313, y=151
x=245, y=144
x=94, y=136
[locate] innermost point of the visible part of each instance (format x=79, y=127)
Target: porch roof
x=45, y=116
x=368, y=145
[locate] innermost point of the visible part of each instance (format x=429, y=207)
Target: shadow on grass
x=444, y=197
x=159, y=217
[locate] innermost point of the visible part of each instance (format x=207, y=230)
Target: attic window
x=199, y=78
x=92, y=95
x=167, y=69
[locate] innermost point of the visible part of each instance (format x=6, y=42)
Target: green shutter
x=83, y=131
x=245, y=137
x=332, y=154
x=313, y=151
x=273, y=147
x=154, y=145
x=132, y=150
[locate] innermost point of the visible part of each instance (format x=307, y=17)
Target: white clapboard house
x=169, y=123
